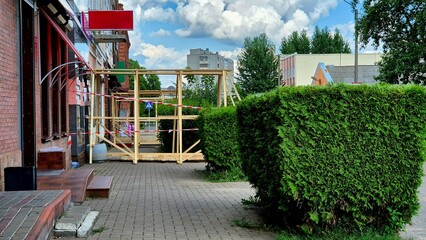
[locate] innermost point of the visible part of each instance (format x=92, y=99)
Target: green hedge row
x=343, y=155
x=189, y=137
x=219, y=140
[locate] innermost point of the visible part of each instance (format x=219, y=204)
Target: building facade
x=298, y=69
x=47, y=56
x=204, y=59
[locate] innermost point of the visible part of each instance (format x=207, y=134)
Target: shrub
x=166, y=137
x=219, y=140
x=336, y=156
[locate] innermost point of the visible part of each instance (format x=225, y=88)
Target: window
x=204, y=59
x=53, y=53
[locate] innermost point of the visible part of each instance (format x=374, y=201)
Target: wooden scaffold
x=98, y=120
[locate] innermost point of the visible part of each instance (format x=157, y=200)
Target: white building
x=298, y=69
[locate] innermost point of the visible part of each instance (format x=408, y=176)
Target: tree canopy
x=201, y=89
x=296, y=43
x=322, y=41
x=398, y=26
x=258, y=65
x=146, y=82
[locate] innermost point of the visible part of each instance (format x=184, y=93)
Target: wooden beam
x=192, y=146
x=136, y=118
x=92, y=113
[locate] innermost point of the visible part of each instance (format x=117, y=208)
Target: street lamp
x=355, y=10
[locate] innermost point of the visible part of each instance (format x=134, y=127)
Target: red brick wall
x=10, y=154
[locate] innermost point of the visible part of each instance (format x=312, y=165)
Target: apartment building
x=204, y=59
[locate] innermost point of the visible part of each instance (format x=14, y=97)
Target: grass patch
x=99, y=229
x=338, y=235
x=222, y=176
x=243, y=223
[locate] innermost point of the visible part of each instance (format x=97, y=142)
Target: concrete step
x=99, y=187
x=76, y=222
x=31, y=214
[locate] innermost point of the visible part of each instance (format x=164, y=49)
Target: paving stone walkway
x=153, y=200
x=417, y=230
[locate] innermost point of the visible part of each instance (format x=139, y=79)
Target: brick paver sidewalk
x=169, y=201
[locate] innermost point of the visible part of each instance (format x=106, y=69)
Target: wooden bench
x=99, y=187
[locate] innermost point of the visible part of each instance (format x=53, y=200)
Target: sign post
x=148, y=105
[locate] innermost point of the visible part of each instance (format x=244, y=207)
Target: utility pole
x=353, y=4
x=356, y=42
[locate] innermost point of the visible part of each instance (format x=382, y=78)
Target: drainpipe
x=19, y=67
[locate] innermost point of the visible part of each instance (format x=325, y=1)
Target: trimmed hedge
x=347, y=156
x=189, y=137
x=219, y=140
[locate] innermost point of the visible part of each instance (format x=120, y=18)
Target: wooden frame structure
x=97, y=121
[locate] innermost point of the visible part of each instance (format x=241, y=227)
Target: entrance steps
x=78, y=221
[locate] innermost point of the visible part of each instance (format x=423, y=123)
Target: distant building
x=204, y=59
x=326, y=74
x=298, y=69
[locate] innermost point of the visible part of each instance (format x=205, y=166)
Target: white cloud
x=157, y=14
x=161, y=33
x=233, y=20
x=237, y=19
x=156, y=56
x=231, y=54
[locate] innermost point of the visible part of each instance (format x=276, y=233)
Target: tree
x=325, y=42
x=258, y=65
x=339, y=43
x=399, y=26
x=146, y=82
x=202, y=90
x=153, y=82
x=296, y=43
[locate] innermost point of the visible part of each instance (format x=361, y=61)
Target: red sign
x=111, y=20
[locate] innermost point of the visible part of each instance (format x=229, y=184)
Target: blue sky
x=165, y=30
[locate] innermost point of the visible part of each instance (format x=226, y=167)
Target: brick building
x=47, y=53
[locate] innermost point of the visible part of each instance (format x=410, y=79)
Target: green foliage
x=325, y=42
x=296, y=43
x=338, y=156
x=258, y=66
x=221, y=176
x=399, y=26
x=340, y=234
x=99, y=229
x=219, y=141
x=146, y=82
x=189, y=137
x=202, y=90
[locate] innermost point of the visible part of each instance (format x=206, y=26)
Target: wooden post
x=233, y=86
x=225, y=98
x=136, y=117
x=156, y=117
x=174, y=144
x=219, y=91
x=113, y=122
x=180, y=117
x=92, y=112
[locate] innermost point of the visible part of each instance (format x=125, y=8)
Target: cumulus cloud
x=231, y=54
x=156, y=56
x=233, y=20
x=161, y=33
